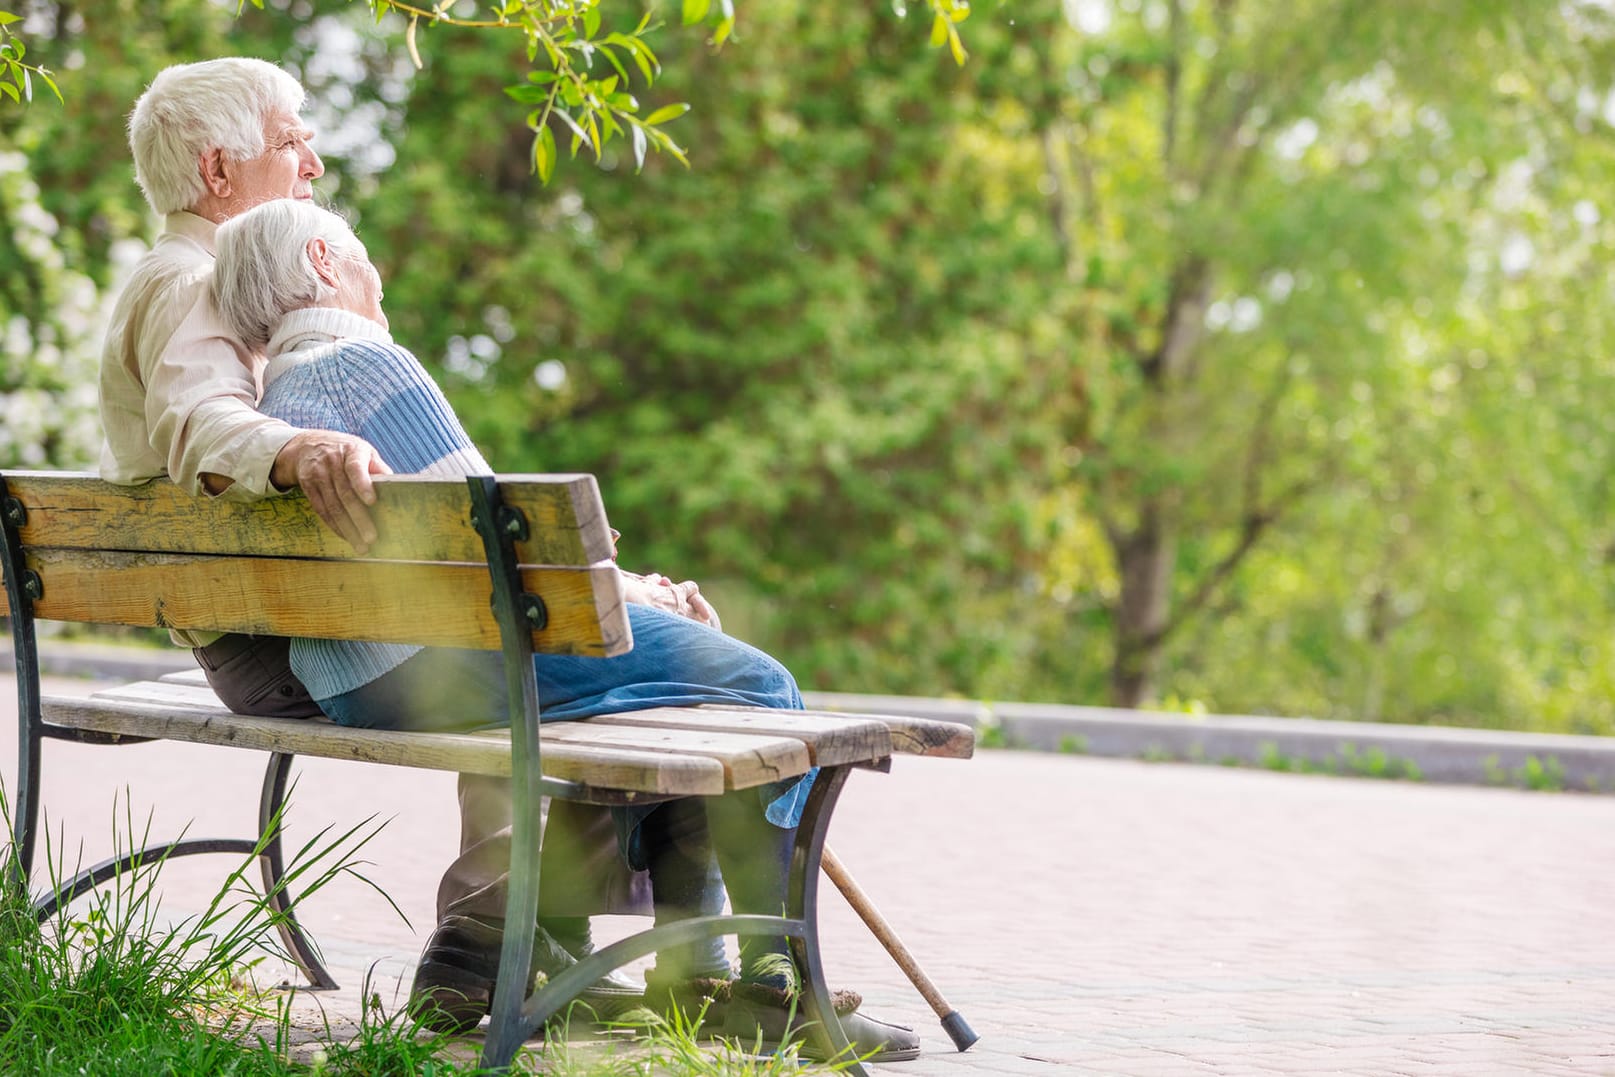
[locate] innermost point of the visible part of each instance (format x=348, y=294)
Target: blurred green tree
x=1280, y=225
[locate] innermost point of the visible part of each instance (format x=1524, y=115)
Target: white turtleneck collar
x=304, y=334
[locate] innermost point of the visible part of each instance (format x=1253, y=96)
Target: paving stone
x=1084, y=915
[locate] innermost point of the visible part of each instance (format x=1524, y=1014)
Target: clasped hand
x=684, y=599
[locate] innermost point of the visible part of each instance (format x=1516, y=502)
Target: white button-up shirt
x=179, y=393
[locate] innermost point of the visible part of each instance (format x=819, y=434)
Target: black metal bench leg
x=25, y=817
x=90, y=878
x=272, y=863
x=802, y=903
x=22, y=587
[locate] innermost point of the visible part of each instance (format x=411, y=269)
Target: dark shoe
x=773, y=1016
x=454, y=982
x=611, y=995
x=753, y=1014
x=699, y=1002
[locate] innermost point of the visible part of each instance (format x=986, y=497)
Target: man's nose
x=313, y=167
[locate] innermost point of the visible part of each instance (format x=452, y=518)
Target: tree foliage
x=1235, y=353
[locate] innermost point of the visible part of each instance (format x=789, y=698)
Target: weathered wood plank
x=747, y=760
x=186, y=676
x=417, y=519
x=751, y=753
x=910, y=736
x=404, y=602
x=601, y=766
x=830, y=741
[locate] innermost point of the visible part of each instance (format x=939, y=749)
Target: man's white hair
x=191, y=108
x=263, y=272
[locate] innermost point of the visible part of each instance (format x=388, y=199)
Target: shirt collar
x=305, y=334
x=198, y=230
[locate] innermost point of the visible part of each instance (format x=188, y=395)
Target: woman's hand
x=684, y=599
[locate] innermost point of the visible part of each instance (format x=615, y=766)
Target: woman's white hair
x=191, y=108
x=263, y=270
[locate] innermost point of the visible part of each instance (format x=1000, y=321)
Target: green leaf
x=956, y=45
x=666, y=113
x=544, y=154
x=611, y=57
x=527, y=95
x=591, y=22
x=695, y=11
x=7, y=18
x=48, y=81
x=606, y=87
x=577, y=131
x=543, y=78
x=10, y=91
x=647, y=65
x=939, y=31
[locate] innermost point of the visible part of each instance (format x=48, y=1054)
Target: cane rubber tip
x=958, y=1031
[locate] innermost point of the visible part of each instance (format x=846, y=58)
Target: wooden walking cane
x=952, y=1023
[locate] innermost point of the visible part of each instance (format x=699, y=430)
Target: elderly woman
x=293, y=280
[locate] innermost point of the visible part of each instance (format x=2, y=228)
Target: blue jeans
x=674, y=662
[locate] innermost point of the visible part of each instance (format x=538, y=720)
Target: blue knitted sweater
x=332, y=370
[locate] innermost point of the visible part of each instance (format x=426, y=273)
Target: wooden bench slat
x=910, y=736
x=746, y=760
x=393, y=601
x=830, y=741
x=417, y=519
x=749, y=756
x=658, y=772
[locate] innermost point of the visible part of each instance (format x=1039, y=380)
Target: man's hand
x=684, y=599
x=334, y=471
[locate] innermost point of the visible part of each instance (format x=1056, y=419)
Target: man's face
x=287, y=168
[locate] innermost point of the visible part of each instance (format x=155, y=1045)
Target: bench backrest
x=153, y=555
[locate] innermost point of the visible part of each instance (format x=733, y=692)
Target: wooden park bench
x=512, y=563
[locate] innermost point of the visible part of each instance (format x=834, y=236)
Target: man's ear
x=210, y=163
x=322, y=259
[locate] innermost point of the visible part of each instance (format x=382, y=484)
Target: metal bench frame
x=515, y=1015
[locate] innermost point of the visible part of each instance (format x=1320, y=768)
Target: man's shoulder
x=174, y=274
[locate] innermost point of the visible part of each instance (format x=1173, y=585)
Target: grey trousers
x=582, y=872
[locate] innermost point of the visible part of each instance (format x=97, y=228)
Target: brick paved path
x=1086, y=916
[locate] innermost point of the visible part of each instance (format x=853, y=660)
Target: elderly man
x=293, y=279
x=179, y=392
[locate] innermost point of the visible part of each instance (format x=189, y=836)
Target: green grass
x=110, y=987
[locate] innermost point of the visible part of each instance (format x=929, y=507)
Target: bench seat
x=656, y=752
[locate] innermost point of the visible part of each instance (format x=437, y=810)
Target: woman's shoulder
x=376, y=363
